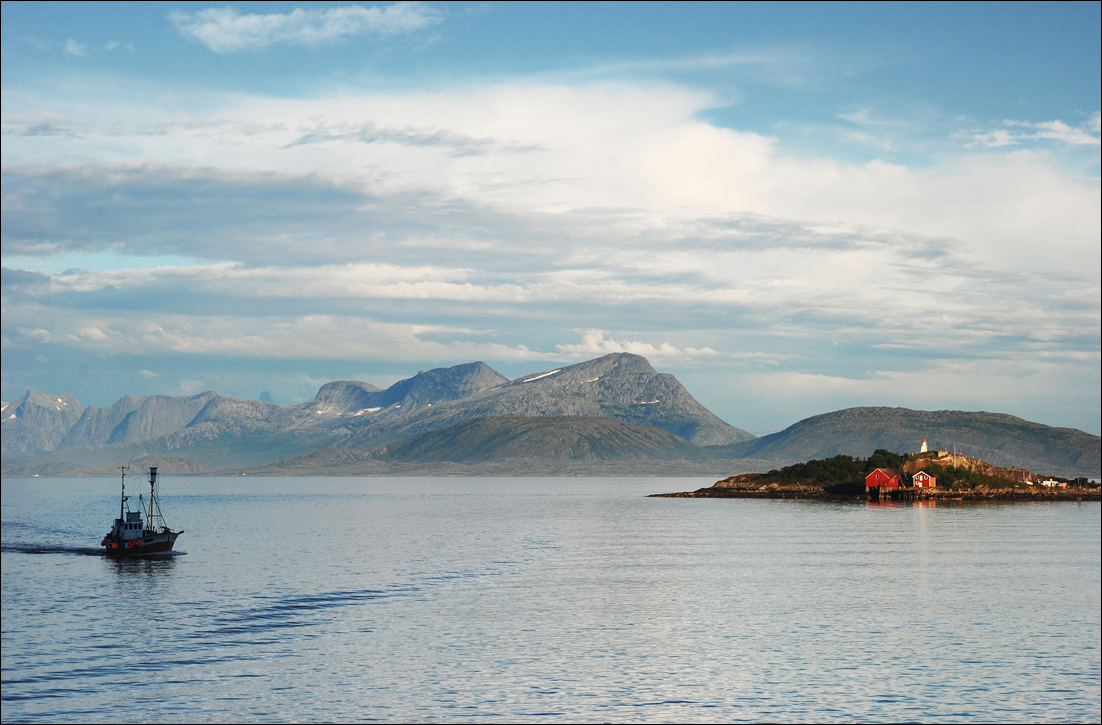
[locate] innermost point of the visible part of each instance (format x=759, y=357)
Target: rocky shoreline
x=745, y=486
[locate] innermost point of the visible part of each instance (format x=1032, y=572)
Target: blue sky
x=794, y=208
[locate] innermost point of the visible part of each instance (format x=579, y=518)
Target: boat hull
x=154, y=544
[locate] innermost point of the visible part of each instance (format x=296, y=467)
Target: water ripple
x=508, y=606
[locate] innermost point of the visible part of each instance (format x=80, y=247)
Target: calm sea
x=510, y=599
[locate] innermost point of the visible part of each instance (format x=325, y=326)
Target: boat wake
x=78, y=551
x=51, y=549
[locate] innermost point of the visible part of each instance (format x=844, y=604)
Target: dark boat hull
x=154, y=544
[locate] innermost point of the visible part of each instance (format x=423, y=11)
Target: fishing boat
x=141, y=531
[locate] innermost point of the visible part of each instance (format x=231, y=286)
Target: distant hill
x=1000, y=439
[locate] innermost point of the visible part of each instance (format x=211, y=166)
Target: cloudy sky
x=793, y=208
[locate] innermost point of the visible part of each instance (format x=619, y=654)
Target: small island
x=887, y=476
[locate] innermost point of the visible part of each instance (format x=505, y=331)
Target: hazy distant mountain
x=37, y=422
x=350, y=405
x=133, y=419
x=620, y=386
x=1000, y=439
x=219, y=432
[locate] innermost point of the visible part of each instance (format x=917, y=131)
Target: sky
x=794, y=208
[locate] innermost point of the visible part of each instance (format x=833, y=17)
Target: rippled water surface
x=538, y=599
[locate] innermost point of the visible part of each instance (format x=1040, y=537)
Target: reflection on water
x=490, y=599
x=150, y=565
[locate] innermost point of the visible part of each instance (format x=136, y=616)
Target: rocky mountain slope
x=133, y=419
x=547, y=438
x=348, y=405
x=37, y=422
x=620, y=386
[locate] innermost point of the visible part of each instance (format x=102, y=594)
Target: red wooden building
x=924, y=480
x=883, y=478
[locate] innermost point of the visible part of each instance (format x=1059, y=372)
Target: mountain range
x=614, y=414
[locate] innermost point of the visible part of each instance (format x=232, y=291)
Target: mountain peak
x=621, y=386
x=430, y=387
x=617, y=364
x=38, y=421
x=345, y=396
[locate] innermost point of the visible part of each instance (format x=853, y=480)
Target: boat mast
x=122, y=502
x=154, y=505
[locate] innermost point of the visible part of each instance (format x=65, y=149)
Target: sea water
x=505, y=599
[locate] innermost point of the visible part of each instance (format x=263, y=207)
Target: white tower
x=923, y=449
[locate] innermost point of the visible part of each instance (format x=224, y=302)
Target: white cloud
x=596, y=343
x=622, y=146
x=190, y=387
x=409, y=228
x=37, y=334
x=96, y=334
x=890, y=291
x=1015, y=133
x=349, y=281
x=860, y=117
x=315, y=336
x=74, y=48
x=224, y=30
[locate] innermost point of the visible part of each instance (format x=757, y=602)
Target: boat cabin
x=130, y=528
